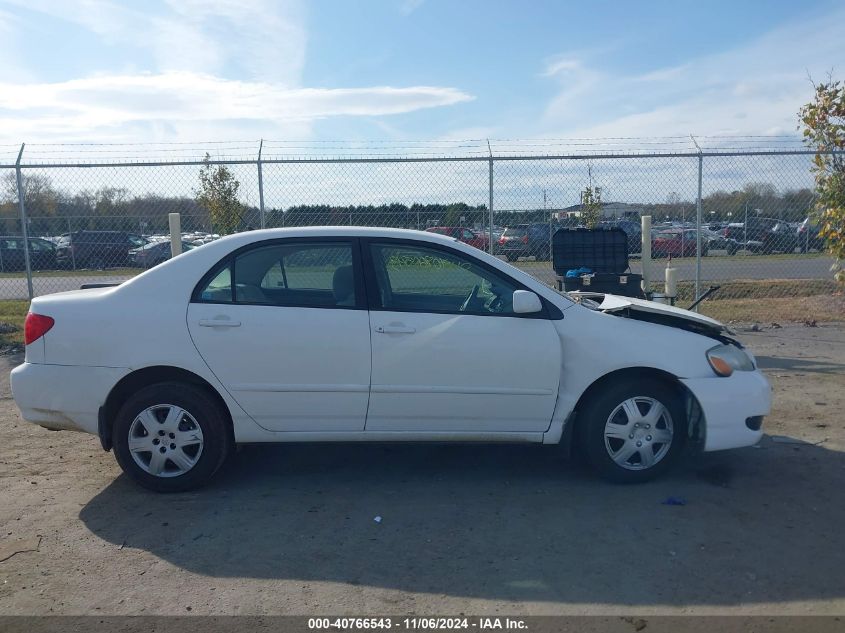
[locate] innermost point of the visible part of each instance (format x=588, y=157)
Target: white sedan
x=367, y=334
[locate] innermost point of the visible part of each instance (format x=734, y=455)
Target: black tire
x=595, y=415
x=510, y=257
x=205, y=410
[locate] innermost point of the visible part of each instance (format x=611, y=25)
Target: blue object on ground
x=674, y=501
x=577, y=272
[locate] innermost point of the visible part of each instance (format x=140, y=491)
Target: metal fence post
x=698, y=231
x=23, y=222
x=697, y=224
x=261, y=185
x=490, y=204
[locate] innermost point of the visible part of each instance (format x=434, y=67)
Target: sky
x=402, y=70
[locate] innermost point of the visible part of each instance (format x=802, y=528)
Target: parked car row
x=96, y=249
x=154, y=253
x=92, y=249
x=112, y=249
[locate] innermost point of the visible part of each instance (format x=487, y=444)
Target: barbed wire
x=185, y=152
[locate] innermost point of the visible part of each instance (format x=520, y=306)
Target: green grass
x=528, y=265
x=13, y=311
x=763, y=289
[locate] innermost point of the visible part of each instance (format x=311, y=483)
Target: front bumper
x=727, y=403
x=63, y=397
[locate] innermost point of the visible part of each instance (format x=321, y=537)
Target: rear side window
x=296, y=274
x=219, y=288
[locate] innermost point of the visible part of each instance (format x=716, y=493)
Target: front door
x=449, y=354
x=284, y=327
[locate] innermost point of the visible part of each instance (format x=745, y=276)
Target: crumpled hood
x=615, y=303
x=659, y=314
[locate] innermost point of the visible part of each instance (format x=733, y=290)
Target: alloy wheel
x=165, y=440
x=638, y=433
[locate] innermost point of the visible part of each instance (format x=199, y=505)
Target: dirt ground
x=464, y=529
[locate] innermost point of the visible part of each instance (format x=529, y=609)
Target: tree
x=218, y=194
x=823, y=121
x=39, y=196
x=454, y=213
x=591, y=207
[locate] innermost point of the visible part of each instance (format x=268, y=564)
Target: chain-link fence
x=724, y=215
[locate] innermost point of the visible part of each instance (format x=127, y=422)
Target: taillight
x=502, y=240
x=36, y=326
x=525, y=240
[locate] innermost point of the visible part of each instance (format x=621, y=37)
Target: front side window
x=294, y=274
x=421, y=279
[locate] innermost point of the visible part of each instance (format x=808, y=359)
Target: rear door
x=284, y=326
x=449, y=354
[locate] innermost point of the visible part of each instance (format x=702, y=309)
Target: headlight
x=725, y=359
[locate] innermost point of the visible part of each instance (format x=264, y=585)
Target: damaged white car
x=365, y=334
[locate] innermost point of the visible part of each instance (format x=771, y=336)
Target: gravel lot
x=473, y=529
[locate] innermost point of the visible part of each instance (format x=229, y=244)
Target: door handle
x=219, y=323
x=395, y=329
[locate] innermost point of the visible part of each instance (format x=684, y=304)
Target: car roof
x=336, y=231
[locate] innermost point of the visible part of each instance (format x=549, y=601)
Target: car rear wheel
x=633, y=431
x=171, y=437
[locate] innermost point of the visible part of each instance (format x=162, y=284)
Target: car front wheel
x=633, y=431
x=171, y=437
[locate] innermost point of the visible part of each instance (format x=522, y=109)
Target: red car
x=677, y=243
x=463, y=234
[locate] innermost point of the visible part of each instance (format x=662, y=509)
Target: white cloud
x=756, y=88
x=407, y=7
x=104, y=102
x=558, y=66
x=193, y=51
x=264, y=39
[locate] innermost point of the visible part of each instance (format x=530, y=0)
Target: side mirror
x=526, y=302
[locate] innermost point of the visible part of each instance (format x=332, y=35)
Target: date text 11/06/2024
x=418, y=623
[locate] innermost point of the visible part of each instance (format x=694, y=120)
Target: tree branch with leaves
x=823, y=122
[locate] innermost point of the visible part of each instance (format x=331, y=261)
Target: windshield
x=517, y=231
